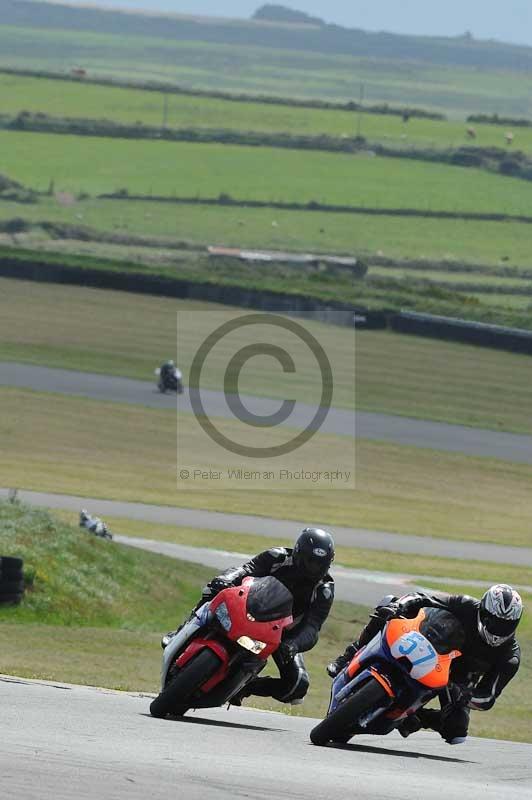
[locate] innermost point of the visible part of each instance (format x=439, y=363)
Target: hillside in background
x=277, y=13
x=327, y=39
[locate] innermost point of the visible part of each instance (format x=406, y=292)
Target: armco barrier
x=458, y=330
x=275, y=302
x=478, y=333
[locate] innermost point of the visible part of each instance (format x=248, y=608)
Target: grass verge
x=118, y=452
x=352, y=557
x=76, y=579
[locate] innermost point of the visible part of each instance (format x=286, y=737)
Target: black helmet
x=499, y=613
x=313, y=553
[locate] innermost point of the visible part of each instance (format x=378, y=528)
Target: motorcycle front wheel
x=336, y=727
x=175, y=698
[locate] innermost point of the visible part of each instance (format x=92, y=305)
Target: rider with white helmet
x=490, y=655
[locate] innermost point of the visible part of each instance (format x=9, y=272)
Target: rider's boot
x=412, y=724
x=236, y=700
x=167, y=638
x=336, y=666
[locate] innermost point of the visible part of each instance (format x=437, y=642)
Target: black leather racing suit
x=482, y=669
x=312, y=603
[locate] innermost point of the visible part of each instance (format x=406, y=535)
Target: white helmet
x=499, y=613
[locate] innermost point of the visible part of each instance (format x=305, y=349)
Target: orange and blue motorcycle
x=400, y=670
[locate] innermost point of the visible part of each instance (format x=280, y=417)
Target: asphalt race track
x=267, y=527
x=80, y=742
x=378, y=427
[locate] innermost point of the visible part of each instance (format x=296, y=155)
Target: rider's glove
x=458, y=697
x=387, y=612
x=464, y=699
x=218, y=585
x=286, y=652
x=333, y=669
x=410, y=604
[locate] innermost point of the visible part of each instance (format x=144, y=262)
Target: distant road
x=61, y=741
x=365, y=425
x=352, y=586
x=284, y=529
x=362, y=586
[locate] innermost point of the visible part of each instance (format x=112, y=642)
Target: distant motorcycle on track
x=400, y=670
x=94, y=525
x=169, y=378
x=223, y=646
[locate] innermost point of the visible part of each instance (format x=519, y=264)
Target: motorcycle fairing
x=235, y=599
x=181, y=649
x=376, y=661
x=189, y=629
x=217, y=647
x=406, y=642
x=361, y=669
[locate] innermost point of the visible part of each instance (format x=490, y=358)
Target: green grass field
x=128, y=453
x=63, y=99
x=128, y=334
x=75, y=579
x=467, y=281
x=458, y=91
x=489, y=243
x=167, y=168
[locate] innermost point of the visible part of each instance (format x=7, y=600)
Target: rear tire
x=175, y=697
x=336, y=727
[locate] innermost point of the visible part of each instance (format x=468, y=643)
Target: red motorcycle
x=223, y=646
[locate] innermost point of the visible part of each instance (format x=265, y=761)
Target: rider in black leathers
x=304, y=570
x=490, y=655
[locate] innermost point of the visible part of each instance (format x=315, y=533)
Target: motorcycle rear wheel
x=175, y=697
x=336, y=727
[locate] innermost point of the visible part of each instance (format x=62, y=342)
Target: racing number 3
x=416, y=642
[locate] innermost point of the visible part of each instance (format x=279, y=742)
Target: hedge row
x=225, y=199
x=493, y=159
x=495, y=119
x=166, y=88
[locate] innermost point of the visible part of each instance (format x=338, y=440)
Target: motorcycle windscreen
x=443, y=630
x=269, y=599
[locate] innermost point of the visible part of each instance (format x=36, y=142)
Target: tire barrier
x=12, y=584
x=459, y=330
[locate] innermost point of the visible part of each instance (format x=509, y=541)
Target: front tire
x=336, y=727
x=175, y=697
